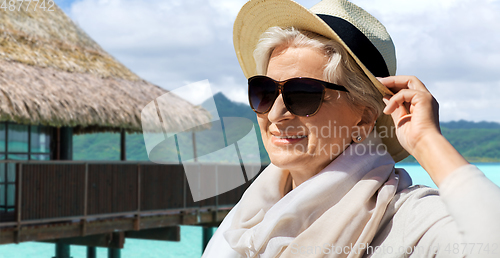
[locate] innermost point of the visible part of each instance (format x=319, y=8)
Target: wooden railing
x=54, y=191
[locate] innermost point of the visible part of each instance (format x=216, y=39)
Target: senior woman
x=332, y=189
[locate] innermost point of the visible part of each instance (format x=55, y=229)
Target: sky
x=450, y=45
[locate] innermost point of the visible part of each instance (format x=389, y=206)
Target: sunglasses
x=302, y=96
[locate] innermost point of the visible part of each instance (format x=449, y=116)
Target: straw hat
x=361, y=34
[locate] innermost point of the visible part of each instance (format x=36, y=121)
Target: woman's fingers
x=421, y=102
x=400, y=98
x=395, y=110
x=400, y=82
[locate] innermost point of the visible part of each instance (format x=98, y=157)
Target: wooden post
x=207, y=234
x=62, y=251
x=91, y=252
x=58, y=143
x=118, y=239
x=194, y=148
x=85, y=200
x=19, y=197
x=65, y=150
x=114, y=253
x=123, y=149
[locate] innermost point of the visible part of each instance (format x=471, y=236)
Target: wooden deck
x=67, y=199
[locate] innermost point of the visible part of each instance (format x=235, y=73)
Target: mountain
x=228, y=108
x=106, y=146
x=476, y=141
x=462, y=124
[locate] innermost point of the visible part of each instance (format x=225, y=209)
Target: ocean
x=190, y=244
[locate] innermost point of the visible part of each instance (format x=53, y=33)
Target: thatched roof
x=53, y=73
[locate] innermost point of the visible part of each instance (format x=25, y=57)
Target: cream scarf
x=335, y=213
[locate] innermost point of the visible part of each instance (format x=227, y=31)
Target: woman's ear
x=364, y=127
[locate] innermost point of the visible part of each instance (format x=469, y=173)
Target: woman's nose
x=278, y=112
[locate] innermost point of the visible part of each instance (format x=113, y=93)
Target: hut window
x=25, y=142
x=18, y=138
x=40, y=157
x=2, y=138
x=18, y=156
x=7, y=187
x=40, y=142
x=19, y=142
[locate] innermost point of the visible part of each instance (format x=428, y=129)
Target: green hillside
x=105, y=146
x=478, y=142
x=228, y=108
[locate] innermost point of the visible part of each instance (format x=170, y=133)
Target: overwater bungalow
x=55, y=82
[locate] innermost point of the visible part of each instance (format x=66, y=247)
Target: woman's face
x=306, y=143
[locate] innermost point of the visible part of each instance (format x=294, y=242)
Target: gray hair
x=341, y=68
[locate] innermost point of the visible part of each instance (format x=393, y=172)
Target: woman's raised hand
x=411, y=95
x=418, y=132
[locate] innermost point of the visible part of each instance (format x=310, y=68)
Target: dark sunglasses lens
x=302, y=96
x=262, y=93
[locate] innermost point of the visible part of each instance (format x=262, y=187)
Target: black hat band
x=359, y=44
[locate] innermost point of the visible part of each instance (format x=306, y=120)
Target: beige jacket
x=462, y=219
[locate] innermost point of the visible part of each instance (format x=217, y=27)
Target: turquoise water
x=420, y=177
x=190, y=244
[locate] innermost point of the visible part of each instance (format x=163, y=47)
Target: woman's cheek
x=312, y=144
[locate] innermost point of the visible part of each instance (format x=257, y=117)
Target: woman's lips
x=284, y=140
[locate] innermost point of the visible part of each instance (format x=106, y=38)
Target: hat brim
x=255, y=17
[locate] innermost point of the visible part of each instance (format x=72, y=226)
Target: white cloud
x=473, y=101
x=153, y=25
x=195, y=92
x=451, y=45
x=170, y=43
x=232, y=88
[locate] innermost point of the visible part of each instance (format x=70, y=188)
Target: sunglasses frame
x=281, y=84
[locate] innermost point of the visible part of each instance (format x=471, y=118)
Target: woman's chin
x=286, y=160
